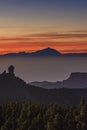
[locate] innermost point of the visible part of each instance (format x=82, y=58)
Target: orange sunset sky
x=30, y=25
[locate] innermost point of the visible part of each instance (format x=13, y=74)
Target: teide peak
x=47, y=52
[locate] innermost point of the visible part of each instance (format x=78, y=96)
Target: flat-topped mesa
x=78, y=75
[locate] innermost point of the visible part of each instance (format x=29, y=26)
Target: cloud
x=57, y=36
x=74, y=51
x=62, y=42
x=79, y=31
x=43, y=36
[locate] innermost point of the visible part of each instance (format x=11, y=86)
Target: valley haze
x=44, y=65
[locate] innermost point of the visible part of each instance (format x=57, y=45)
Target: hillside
x=14, y=89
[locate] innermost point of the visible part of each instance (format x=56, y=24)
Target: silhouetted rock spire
x=11, y=70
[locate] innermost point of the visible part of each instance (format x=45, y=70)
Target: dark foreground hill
x=14, y=89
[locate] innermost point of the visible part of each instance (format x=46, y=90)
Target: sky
x=30, y=25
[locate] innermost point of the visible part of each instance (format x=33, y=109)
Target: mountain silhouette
x=14, y=89
x=43, y=53
x=76, y=80
x=47, y=52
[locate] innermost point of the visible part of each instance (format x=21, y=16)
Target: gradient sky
x=29, y=25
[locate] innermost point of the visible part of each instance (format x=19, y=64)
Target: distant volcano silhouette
x=46, y=52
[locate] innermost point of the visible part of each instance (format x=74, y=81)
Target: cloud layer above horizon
x=29, y=25
x=65, y=43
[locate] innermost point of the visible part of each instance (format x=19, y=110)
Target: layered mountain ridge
x=75, y=80
x=14, y=89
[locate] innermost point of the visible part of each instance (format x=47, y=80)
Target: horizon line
x=34, y=51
